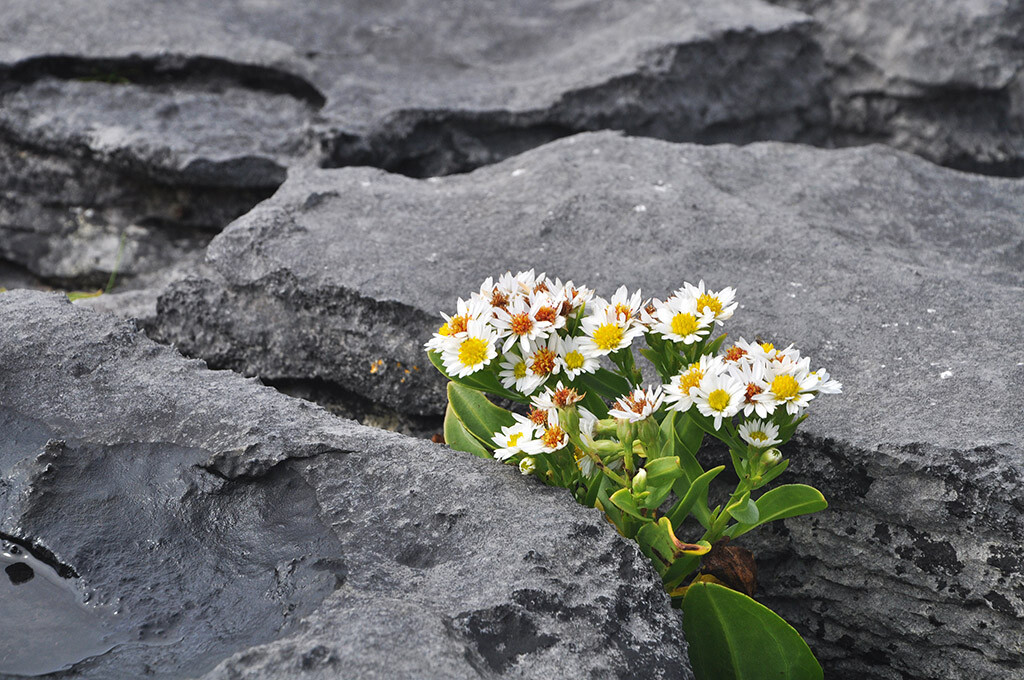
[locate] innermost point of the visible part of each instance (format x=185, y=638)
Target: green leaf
x=733, y=637
x=745, y=510
x=660, y=544
x=458, y=437
x=698, y=489
x=661, y=471
x=788, y=500
x=714, y=345
x=623, y=500
x=484, y=380
x=605, y=383
x=592, y=402
x=479, y=416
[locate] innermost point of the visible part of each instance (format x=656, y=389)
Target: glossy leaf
x=788, y=500
x=663, y=471
x=658, y=541
x=605, y=383
x=745, y=510
x=479, y=416
x=733, y=637
x=689, y=496
x=623, y=500
x=458, y=437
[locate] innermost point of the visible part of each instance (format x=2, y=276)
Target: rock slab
x=223, y=530
x=903, y=278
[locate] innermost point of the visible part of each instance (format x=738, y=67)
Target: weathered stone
x=903, y=278
x=940, y=79
x=164, y=121
x=243, y=534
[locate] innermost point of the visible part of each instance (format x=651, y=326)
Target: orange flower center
x=521, y=323
x=548, y=314
x=543, y=361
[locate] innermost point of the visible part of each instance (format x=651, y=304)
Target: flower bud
x=527, y=465
x=605, y=427
x=605, y=448
x=640, y=481
x=771, y=458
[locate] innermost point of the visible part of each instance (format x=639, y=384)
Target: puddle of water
x=44, y=624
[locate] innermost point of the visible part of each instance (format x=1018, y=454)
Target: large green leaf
x=480, y=417
x=733, y=637
x=689, y=496
x=458, y=437
x=605, y=383
x=788, y=500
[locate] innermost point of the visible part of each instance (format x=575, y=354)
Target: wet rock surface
x=903, y=278
x=164, y=121
x=229, y=531
x=940, y=79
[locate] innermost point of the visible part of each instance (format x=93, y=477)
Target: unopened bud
x=527, y=465
x=640, y=481
x=771, y=458
x=605, y=448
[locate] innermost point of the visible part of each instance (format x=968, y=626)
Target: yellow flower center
x=758, y=435
x=543, y=361
x=458, y=324
x=718, y=400
x=514, y=439
x=608, y=336
x=785, y=386
x=690, y=379
x=767, y=346
x=574, y=360
x=623, y=310
x=444, y=330
x=519, y=370
x=684, y=324
x=711, y=302
x=472, y=351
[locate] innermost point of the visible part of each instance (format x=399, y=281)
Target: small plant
x=584, y=421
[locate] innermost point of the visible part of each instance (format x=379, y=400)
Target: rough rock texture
x=903, y=278
x=941, y=79
x=164, y=120
x=243, y=534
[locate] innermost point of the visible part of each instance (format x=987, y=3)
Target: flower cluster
x=530, y=331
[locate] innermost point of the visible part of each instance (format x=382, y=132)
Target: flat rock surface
x=223, y=530
x=162, y=121
x=904, y=279
x=942, y=79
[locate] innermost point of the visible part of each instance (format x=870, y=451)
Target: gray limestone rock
x=903, y=278
x=165, y=120
x=940, y=79
x=223, y=530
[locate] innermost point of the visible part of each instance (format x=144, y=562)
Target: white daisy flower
x=468, y=352
x=637, y=405
x=519, y=323
x=625, y=306
x=719, y=396
x=680, y=392
x=719, y=305
x=760, y=433
x=825, y=384
x=527, y=466
x=571, y=296
x=792, y=384
x=497, y=295
x=751, y=375
x=605, y=331
x=511, y=439
x=575, y=359
x=515, y=374
x=455, y=326
x=550, y=439
x=677, y=319
x=554, y=399
x=542, y=361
